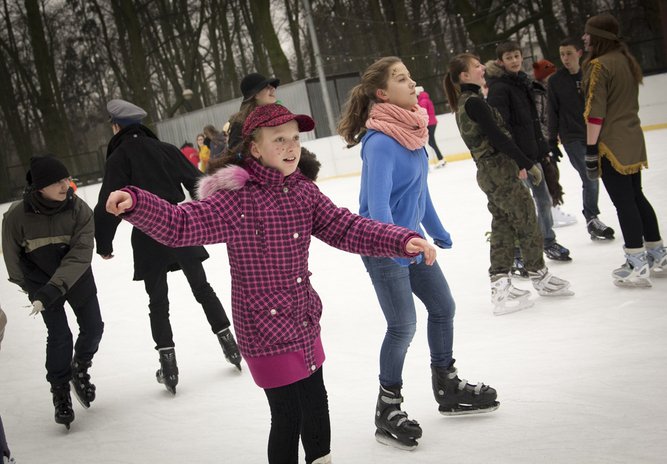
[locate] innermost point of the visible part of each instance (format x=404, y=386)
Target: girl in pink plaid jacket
x=266, y=211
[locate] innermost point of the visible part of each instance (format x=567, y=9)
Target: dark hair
x=352, y=123
x=505, y=47
x=210, y=131
x=571, y=42
x=460, y=63
x=599, y=46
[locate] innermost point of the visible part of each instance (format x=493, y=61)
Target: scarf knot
x=407, y=127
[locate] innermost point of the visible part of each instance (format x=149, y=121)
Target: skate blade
x=659, y=273
x=238, y=366
x=501, y=310
x=82, y=401
x=409, y=444
x=637, y=282
x=601, y=238
x=563, y=292
x=467, y=410
x=559, y=258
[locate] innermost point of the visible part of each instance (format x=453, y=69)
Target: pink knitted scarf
x=407, y=127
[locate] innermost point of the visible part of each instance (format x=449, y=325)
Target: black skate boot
x=393, y=426
x=84, y=391
x=599, y=230
x=168, y=372
x=229, y=347
x=557, y=252
x=62, y=402
x=457, y=397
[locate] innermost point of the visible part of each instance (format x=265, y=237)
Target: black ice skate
x=457, y=397
x=84, y=391
x=393, y=426
x=168, y=372
x=229, y=347
x=557, y=252
x=599, y=230
x=62, y=402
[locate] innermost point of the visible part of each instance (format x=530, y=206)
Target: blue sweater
x=394, y=188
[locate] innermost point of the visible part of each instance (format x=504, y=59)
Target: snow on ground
x=579, y=379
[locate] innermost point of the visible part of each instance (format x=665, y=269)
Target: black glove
x=556, y=154
x=48, y=295
x=592, y=162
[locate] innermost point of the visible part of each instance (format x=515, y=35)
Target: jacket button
x=242, y=216
x=285, y=189
x=313, y=368
x=295, y=235
x=305, y=323
x=299, y=280
x=273, y=312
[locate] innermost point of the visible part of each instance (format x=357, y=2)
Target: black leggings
x=635, y=213
x=300, y=408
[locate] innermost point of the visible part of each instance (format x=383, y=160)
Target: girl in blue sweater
x=383, y=115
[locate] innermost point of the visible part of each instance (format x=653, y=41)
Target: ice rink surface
x=579, y=379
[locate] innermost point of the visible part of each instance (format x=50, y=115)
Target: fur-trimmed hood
x=232, y=177
x=493, y=69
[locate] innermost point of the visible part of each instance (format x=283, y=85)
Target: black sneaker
x=599, y=230
x=557, y=252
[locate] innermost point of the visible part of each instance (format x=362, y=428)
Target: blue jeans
x=544, y=203
x=394, y=286
x=576, y=151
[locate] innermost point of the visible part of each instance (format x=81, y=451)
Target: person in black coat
x=135, y=156
x=511, y=92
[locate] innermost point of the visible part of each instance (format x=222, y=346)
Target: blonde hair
x=352, y=124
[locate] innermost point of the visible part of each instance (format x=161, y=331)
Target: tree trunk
x=55, y=123
x=261, y=14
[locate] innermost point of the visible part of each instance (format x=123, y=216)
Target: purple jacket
x=425, y=102
x=267, y=221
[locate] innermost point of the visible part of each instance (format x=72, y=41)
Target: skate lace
x=595, y=223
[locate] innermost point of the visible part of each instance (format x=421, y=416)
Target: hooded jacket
x=135, y=156
x=424, y=100
x=512, y=95
x=267, y=221
x=48, y=243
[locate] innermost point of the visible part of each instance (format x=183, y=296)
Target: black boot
x=62, y=403
x=168, y=372
x=393, y=428
x=83, y=389
x=229, y=347
x=457, y=397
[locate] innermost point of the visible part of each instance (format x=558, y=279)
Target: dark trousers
x=301, y=408
x=157, y=289
x=4, y=448
x=431, y=141
x=635, y=213
x=59, y=338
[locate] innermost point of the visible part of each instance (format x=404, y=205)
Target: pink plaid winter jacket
x=267, y=221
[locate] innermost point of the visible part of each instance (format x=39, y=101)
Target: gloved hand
x=47, y=295
x=592, y=162
x=535, y=174
x=556, y=154
x=37, y=307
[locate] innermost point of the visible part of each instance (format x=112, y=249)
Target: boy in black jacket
x=47, y=242
x=565, y=110
x=511, y=92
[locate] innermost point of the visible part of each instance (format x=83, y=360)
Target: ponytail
x=460, y=63
x=452, y=91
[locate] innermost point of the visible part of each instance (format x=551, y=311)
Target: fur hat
x=273, y=115
x=253, y=83
x=45, y=170
x=543, y=69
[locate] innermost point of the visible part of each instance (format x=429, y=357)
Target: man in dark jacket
x=565, y=116
x=47, y=243
x=135, y=156
x=511, y=92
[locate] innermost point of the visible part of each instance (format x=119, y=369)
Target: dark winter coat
x=267, y=221
x=50, y=243
x=565, y=107
x=512, y=95
x=135, y=156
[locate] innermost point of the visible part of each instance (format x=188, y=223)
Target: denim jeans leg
x=392, y=287
x=576, y=151
x=430, y=286
x=544, y=203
